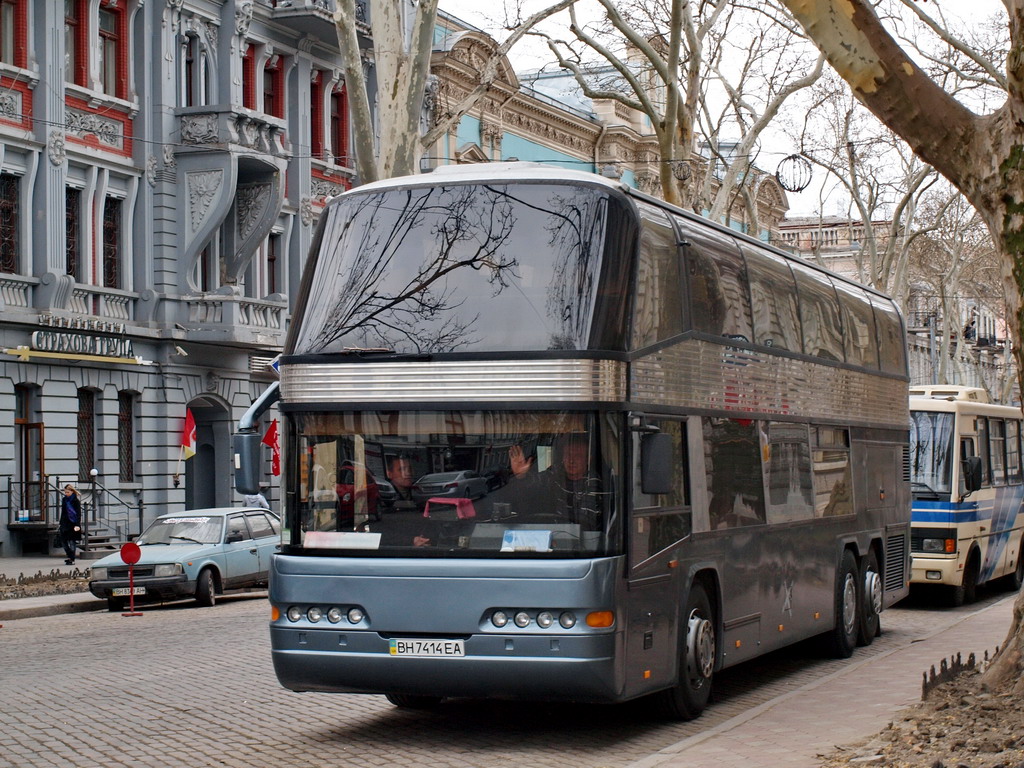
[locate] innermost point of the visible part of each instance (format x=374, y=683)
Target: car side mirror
x=971, y=468
x=656, y=463
x=233, y=537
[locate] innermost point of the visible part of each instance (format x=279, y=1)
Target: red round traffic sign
x=131, y=553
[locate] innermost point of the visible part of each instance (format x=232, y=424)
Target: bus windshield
x=931, y=452
x=469, y=268
x=456, y=483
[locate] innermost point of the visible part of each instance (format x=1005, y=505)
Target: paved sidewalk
x=797, y=729
x=29, y=607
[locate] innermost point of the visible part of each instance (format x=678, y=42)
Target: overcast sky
x=532, y=54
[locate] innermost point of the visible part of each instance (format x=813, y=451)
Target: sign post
x=130, y=554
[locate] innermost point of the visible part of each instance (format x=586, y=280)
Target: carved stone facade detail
x=250, y=202
x=83, y=123
x=151, y=169
x=199, y=129
x=10, y=104
x=55, y=148
x=306, y=211
x=243, y=17
x=202, y=187
x=169, y=160
x=323, y=188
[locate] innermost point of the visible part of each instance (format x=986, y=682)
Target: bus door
x=658, y=525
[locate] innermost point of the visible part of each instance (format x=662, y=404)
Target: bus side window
x=833, y=487
x=659, y=521
x=776, y=312
x=892, y=340
x=1012, y=451
x=732, y=461
x=858, y=324
x=659, y=312
x=986, y=464
x=716, y=276
x=997, y=450
x=788, y=466
x=819, y=314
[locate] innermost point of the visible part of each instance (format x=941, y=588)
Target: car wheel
x=871, y=588
x=408, y=701
x=115, y=604
x=843, y=637
x=692, y=691
x=206, y=593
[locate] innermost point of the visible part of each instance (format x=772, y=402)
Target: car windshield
x=461, y=483
x=183, y=530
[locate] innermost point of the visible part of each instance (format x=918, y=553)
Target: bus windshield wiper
x=923, y=489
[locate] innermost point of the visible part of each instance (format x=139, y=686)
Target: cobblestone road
x=189, y=686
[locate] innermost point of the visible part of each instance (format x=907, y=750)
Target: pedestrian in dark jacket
x=70, y=524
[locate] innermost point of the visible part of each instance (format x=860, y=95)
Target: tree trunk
x=983, y=156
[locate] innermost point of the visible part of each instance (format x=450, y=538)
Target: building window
x=273, y=244
x=126, y=436
x=112, y=243
x=195, y=75
x=9, y=220
x=273, y=87
x=72, y=230
x=339, y=125
x=12, y=32
x=75, y=46
x=112, y=46
x=86, y=432
x=206, y=270
x=249, y=78
x=316, y=116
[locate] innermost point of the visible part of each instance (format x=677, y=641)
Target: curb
x=50, y=607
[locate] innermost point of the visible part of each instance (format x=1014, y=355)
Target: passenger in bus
x=400, y=474
x=568, y=490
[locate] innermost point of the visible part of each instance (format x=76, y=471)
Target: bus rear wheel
x=1013, y=580
x=843, y=638
x=691, y=693
x=409, y=701
x=871, y=607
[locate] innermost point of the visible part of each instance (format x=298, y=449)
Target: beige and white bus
x=965, y=461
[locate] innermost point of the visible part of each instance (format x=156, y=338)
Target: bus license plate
x=411, y=646
x=126, y=591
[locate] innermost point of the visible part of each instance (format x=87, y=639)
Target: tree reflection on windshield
x=444, y=269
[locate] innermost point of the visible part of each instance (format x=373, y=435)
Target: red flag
x=188, y=435
x=275, y=447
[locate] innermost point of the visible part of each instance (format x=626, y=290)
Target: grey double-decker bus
x=548, y=438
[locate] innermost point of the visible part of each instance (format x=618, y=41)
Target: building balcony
x=316, y=17
x=109, y=303
x=227, y=318
x=231, y=128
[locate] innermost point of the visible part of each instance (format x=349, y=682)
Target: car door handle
x=253, y=551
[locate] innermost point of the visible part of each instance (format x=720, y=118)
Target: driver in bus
x=568, y=489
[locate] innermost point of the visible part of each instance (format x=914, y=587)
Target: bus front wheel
x=691, y=693
x=844, y=635
x=967, y=590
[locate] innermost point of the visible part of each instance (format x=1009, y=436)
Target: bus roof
x=970, y=394
x=511, y=171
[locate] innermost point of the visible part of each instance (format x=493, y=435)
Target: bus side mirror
x=246, y=447
x=656, y=463
x=972, y=473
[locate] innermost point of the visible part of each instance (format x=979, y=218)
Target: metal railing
x=107, y=519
